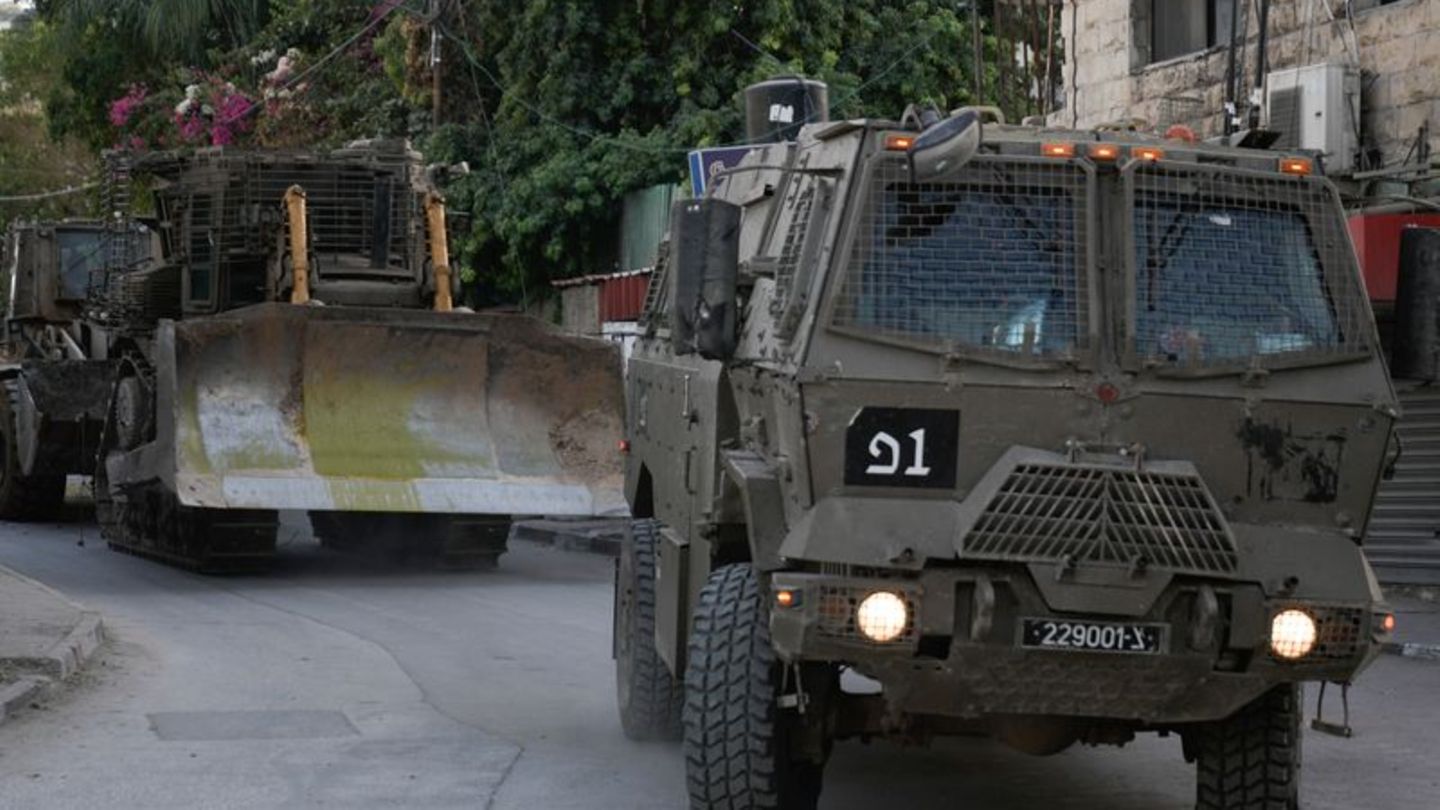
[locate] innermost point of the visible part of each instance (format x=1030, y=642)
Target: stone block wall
x=1396, y=46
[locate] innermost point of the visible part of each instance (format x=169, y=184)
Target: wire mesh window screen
x=801, y=203
x=1230, y=269
x=200, y=248
x=993, y=259
x=346, y=206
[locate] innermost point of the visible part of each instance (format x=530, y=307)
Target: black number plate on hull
x=1082, y=636
x=902, y=447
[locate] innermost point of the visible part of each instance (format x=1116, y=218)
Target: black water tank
x=775, y=109
x=1416, y=351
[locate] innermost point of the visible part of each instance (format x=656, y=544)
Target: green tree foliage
x=30, y=161
x=572, y=104
x=190, y=29
x=561, y=107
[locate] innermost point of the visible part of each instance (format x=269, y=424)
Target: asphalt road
x=334, y=682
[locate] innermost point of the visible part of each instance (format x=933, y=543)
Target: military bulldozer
x=292, y=344
x=941, y=426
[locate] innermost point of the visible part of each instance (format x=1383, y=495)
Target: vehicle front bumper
x=960, y=654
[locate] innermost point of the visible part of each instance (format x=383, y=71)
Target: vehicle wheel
x=1251, y=760
x=24, y=497
x=650, y=698
x=737, y=740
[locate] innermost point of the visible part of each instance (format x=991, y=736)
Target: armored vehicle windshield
x=1226, y=267
x=992, y=260
x=1234, y=267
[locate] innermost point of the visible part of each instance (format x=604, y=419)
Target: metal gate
x=1403, y=541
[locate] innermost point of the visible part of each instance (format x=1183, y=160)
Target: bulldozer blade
x=279, y=406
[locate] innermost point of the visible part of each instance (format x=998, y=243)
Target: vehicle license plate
x=1055, y=634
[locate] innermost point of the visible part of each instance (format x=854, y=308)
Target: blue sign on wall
x=706, y=163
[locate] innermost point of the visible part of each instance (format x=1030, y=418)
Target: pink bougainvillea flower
x=123, y=109
x=192, y=127
x=234, y=108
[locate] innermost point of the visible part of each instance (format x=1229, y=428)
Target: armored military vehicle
x=293, y=344
x=942, y=426
x=54, y=393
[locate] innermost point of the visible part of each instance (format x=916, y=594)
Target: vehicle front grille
x=837, y=607
x=1080, y=513
x=1338, y=633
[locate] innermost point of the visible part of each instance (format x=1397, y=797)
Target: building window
x=1180, y=27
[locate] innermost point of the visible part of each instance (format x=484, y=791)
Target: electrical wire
x=369, y=26
x=46, y=195
x=654, y=150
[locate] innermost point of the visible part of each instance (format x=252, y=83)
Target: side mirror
x=1415, y=352
x=944, y=148
x=705, y=240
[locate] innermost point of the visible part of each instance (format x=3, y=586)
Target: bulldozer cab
x=364, y=231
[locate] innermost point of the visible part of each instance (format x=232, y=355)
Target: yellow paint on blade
x=391, y=405
x=191, y=438
x=360, y=426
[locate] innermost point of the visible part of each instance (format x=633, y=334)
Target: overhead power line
x=636, y=147
x=323, y=61
x=45, y=195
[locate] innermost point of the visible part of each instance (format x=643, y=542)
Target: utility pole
x=437, y=8
x=1231, y=74
x=977, y=45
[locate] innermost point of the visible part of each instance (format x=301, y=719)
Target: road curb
x=69, y=654
x=62, y=659
x=20, y=694
x=1423, y=652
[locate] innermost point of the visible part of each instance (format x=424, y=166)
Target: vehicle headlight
x=1292, y=634
x=882, y=616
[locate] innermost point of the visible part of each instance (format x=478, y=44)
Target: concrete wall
x=580, y=309
x=1397, y=46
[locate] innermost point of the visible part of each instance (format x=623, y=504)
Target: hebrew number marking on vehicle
x=918, y=468
x=902, y=447
x=884, y=445
x=893, y=445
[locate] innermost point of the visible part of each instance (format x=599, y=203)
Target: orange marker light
x=1058, y=149
x=1388, y=623
x=1104, y=151
x=899, y=143
x=1297, y=166
x=625, y=446
x=1180, y=132
x=786, y=599
x=1150, y=153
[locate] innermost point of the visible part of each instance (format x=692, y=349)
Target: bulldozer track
x=224, y=564
x=454, y=542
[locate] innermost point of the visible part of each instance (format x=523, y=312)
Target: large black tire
x=649, y=696
x=1251, y=760
x=737, y=747
x=24, y=497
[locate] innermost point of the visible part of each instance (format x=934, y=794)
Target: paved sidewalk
x=44, y=639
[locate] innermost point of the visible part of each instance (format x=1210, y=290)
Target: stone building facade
x=1166, y=62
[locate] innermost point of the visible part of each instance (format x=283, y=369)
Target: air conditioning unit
x=1316, y=107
